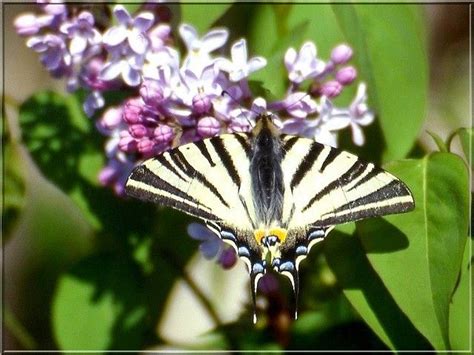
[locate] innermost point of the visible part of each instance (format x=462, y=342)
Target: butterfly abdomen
x=266, y=173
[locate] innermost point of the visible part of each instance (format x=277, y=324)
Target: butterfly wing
x=208, y=179
x=325, y=186
x=328, y=186
x=203, y=179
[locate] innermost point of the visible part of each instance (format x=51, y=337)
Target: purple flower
x=298, y=104
x=199, y=49
x=360, y=114
x=115, y=174
x=202, y=84
x=303, y=65
x=53, y=53
x=93, y=102
x=27, y=25
x=127, y=44
x=239, y=68
x=131, y=29
x=81, y=31
x=211, y=245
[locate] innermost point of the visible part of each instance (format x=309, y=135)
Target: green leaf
x=99, y=305
x=439, y=142
x=203, y=16
x=390, y=49
x=418, y=255
x=70, y=152
x=271, y=33
x=460, y=316
x=367, y=293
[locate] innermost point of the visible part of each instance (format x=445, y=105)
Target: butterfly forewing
x=328, y=186
x=208, y=179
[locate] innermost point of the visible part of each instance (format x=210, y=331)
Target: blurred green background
x=84, y=269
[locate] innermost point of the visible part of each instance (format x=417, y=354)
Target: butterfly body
x=267, y=193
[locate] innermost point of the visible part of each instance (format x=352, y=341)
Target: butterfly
x=271, y=196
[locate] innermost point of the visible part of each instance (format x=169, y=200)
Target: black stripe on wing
x=354, y=172
x=192, y=173
x=306, y=164
x=183, y=201
x=382, y=201
x=333, y=154
x=226, y=159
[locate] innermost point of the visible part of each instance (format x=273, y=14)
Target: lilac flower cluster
x=177, y=98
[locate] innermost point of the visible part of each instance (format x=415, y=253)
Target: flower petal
x=122, y=15
x=138, y=41
x=239, y=53
x=115, y=35
x=198, y=231
x=256, y=63
x=130, y=76
x=210, y=248
x=111, y=70
x=188, y=34
x=290, y=58
x=214, y=39
x=78, y=45
x=357, y=134
x=143, y=21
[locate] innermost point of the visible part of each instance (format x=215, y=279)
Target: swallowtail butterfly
x=265, y=192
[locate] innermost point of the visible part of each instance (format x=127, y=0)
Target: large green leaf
x=460, y=316
x=99, y=305
x=203, y=16
x=418, y=255
x=367, y=293
x=390, y=49
x=70, y=152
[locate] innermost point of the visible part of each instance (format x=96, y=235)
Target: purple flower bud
x=132, y=111
x=201, y=104
x=27, y=25
x=163, y=133
x=151, y=92
x=128, y=144
x=228, y=258
x=110, y=119
x=341, y=54
x=331, y=88
x=208, y=126
x=145, y=146
x=138, y=130
x=346, y=75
